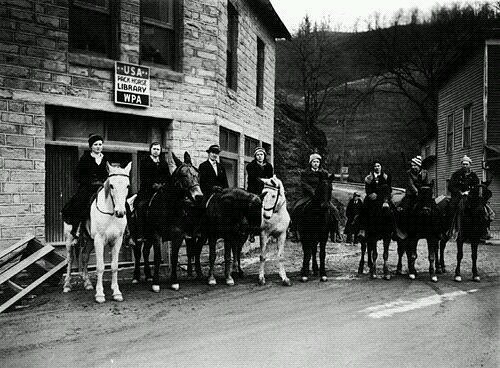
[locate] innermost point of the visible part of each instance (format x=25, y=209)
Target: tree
x=415, y=54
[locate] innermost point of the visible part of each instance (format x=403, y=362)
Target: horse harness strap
x=274, y=208
x=112, y=199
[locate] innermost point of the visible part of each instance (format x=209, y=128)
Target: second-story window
x=260, y=73
x=158, y=32
x=467, y=129
x=92, y=28
x=232, y=46
x=449, y=133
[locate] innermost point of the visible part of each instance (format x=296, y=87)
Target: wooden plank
x=25, y=263
x=32, y=286
x=14, y=286
x=19, y=244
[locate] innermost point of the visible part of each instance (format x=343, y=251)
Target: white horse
x=106, y=226
x=275, y=221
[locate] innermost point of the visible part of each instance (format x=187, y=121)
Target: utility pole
x=342, y=149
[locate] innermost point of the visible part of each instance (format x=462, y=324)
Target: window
x=92, y=28
x=229, y=145
x=250, y=145
x=232, y=46
x=158, y=42
x=267, y=147
x=260, y=73
x=449, y=133
x=467, y=129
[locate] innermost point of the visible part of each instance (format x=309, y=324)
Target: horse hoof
x=323, y=279
x=286, y=282
x=212, y=281
x=439, y=271
x=360, y=270
x=412, y=276
x=304, y=279
x=458, y=278
x=149, y=279
x=262, y=281
x=174, y=287
x=230, y=281
x=135, y=281
x=100, y=299
x=476, y=278
x=374, y=276
x=88, y=285
x=434, y=279
x=399, y=271
x=66, y=289
x=387, y=277
x=443, y=270
x=155, y=288
x=118, y=297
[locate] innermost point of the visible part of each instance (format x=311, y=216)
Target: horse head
x=273, y=196
x=186, y=178
x=323, y=193
x=425, y=200
x=117, y=186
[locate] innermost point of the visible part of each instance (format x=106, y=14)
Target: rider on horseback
x=91, y=172
x=212, y=174
x=154, y=174
x=310, y=178
x=259, y=168
x=377, y=182
x=459, y=185
x=417, y=178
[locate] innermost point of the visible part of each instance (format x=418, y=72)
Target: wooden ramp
x=40, y=261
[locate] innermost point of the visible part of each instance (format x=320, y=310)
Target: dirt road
x=349, y=321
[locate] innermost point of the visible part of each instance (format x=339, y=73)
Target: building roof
x=271, y=19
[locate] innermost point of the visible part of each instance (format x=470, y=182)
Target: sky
x=344, y=14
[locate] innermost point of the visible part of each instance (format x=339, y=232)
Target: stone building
x=211, y=80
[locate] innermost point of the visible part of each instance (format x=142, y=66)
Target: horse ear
x=106, y=189
x=487, y=183
x=187, y=158
x=108, y=167
x=262, y=195
x=176, y=160
x=128, y=167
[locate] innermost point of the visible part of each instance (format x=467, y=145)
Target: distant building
x=211, y=80
x=469, y=121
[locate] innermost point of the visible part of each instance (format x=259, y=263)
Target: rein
x=274, y=208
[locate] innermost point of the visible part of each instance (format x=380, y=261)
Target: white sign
x=131, y=84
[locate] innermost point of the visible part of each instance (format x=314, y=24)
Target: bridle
x=274, y=208
x=112, y=199
x=178, y=184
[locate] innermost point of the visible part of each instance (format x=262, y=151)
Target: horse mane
x=107, y=188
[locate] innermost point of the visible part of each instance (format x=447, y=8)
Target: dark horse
x=421, y=221
x=378, y=222
x=173, y=214
x=231, y=214
x=471, y=226
x=314, y=226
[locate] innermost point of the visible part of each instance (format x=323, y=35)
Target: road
x=349, y=321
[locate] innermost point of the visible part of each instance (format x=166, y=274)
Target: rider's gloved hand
x=372, y=196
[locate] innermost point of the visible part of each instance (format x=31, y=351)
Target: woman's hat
x=417, y=161
x=214, y=148
x=94, y=138
x=259, y=149
x=314, y=156
x=466, y=159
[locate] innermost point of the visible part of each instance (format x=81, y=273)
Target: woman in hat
x=417, y=178
x=258, y=168
x=91, y=172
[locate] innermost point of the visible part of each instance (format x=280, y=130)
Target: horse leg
x=87, y=248
x=322, y=260
x=190, y=254
x=263, y=254
x=115, y=251
x=474, y=249
x=157, y=240
x=411, y=254
x=387, y=272
x=212, y=242
x=228, y=262
x=362, y=260
x=372, y=248
x=198, y=243
x=401, y=252
x=137, y=262
x=281, y=249
x=306, y=248
x=442, y=247
x=314, y=251
x=177, y=239
x=146, y=249
x=69, y=258
x=460, y=255
x=99, y=255
x=432, y=244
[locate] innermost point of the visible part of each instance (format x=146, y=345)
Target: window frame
x=449, y=142
x=110, y=9
x=261, y=62
x=173, y=25
x=226, y=154
x=232, y=47
x=467, y=113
